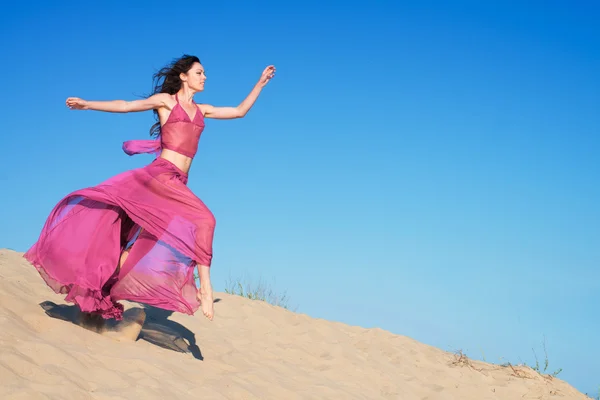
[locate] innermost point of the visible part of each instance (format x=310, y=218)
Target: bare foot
x=205, y=297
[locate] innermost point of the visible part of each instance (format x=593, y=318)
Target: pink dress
x=81, y=242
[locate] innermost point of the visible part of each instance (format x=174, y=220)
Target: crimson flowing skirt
x=82, y=240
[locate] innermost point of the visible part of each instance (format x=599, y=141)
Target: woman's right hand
x=75, y=103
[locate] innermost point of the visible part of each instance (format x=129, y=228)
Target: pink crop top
x=180, y=133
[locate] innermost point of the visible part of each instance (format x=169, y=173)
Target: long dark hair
x=167, y=80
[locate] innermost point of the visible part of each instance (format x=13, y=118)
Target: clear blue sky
x=429, y=169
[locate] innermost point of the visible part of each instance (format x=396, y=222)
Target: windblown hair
x=167, y=80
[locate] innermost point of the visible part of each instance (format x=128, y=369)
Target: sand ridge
x=252, y=350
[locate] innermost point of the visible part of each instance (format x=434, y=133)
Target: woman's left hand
x=266, y=76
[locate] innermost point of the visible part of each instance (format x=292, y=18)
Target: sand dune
x=252, y=350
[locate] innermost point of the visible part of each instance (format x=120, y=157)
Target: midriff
x=179, y=160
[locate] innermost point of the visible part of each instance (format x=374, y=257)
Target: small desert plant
x=257, y=291
x=542, y=369
x=461, y=359
x=537, y=367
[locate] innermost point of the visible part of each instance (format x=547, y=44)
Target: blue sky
x=429, y=169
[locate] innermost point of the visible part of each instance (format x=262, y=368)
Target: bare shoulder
x=204, y=108
x=164, y=103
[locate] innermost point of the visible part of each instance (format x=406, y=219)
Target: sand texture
x=251, y=350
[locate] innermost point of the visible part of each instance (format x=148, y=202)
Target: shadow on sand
x=157, y=328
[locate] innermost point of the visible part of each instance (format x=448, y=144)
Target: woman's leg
x=123, y=258
x=205, y=293
x=127, y=250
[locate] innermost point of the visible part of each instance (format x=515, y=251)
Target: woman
x=138, y=235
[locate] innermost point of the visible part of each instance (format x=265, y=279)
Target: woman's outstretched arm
x=119, y=106
x=242, y=109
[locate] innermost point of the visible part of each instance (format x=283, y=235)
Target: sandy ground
x=251, y=350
